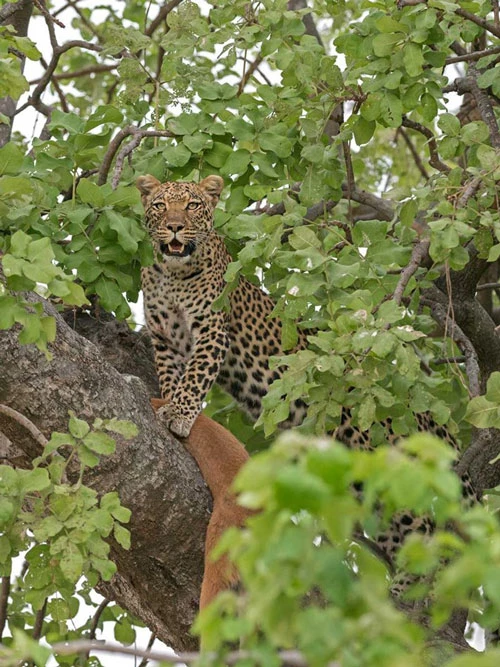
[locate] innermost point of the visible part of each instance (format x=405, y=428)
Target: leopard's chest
x=184, y=299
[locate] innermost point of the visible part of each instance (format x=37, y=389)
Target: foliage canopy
x=360, y=146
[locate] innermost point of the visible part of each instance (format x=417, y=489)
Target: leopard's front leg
x=210, y=345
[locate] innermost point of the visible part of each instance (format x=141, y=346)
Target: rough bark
x=159, y=578
x=17, y=15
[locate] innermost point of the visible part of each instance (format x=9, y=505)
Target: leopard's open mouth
x=174, y=248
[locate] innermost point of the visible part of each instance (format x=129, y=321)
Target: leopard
x=196, y=346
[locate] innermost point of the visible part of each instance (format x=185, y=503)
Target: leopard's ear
x=212, y=186
x=147, y=185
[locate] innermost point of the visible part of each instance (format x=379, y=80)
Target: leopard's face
x=179, y=216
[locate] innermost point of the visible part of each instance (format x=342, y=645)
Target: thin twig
x=161, y=16
x=291, y=658
x=57, y=88
x=248, y=73
x=48, y=16
x=434, y=159
x=96, y=617
x=24, y=421
x=469, y=190
x=151, y=641
x=482, y=23
x=84, y=19
x=4, y=599
x=76, y=74
x=472, y=57
x=486, y=286
x=414, y=152
x=35, y=96
x=447, y=360
x=39, y=619
x=441, y=314
x=351, y=183
x=419, y=253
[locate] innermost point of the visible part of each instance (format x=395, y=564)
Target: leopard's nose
x=174, y=226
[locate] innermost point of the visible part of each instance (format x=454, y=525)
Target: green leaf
x=72, y=563
x=385, y=43
x=125, y=428
x=126, y=230
x=177, y=156
x=488, y=157
x=366, y=413
x=34, y=480
x=413, y=59
x=483, y=413
x=280, y=145
x=122, y=536
x=104, y=114
x=26, y=46
x=289, y=336
x=77, y=427
x=449, y=124
x=106, y=569
x=364, y=130
x=19, y=244
x=218, y=154
x=11, y=159
x=68, y=121
x=109, y=293
x=304, y=237
x=124, y=632
x=298, y=490
x=90, y=193
x=236, y=163
x=6, y=512
x=100, y=443
x=12, y=82
x=493, y=388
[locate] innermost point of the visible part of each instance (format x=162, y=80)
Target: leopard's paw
x=178, y=424
x=181, y=426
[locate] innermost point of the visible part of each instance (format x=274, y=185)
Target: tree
x=364, y=198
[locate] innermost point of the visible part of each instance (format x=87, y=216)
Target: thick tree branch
x=383, y=207
x=115, y=144
x=159, y=578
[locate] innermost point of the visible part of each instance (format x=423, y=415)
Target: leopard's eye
x=159, y=205
x=192, y=205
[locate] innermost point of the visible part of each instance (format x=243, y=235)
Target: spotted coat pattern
x=195, y=346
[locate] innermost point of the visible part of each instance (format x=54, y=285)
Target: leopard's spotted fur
x=195, y=346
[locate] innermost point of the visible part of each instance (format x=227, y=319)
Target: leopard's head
x=179, y=215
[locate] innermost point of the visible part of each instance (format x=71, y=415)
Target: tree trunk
x=18, y=15
x=159, y=578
